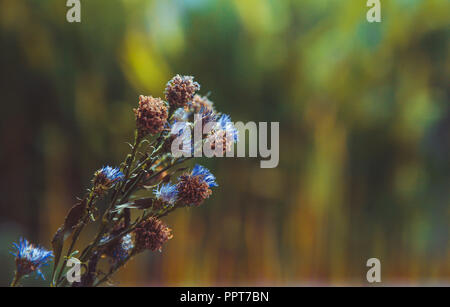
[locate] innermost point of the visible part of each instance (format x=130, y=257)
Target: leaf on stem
x=142, y=203
x=73, y=218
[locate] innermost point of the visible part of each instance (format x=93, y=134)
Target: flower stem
x=105, y=219
x=15, y=281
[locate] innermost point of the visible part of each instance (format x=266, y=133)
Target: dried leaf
x=73, y=218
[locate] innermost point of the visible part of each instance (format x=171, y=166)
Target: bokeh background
x=364, y=132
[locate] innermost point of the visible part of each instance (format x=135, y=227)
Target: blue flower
x=194, y=187
x=122, y=251
x=224, y=123
x=204, y=117
x=30, y=258
x=105, y=177
x=127, y=242
x=207, y=176
x=167, y=193
x=181, y=115
x=112, y=174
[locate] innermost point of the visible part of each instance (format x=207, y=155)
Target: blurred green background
x=364, y=132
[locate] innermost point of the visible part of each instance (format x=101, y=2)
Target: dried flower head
x=194, y=188
x=105, y=177
x=201, y=104
x=151, y=115
x=30, y=258
x=180, y=90
x=151, y=234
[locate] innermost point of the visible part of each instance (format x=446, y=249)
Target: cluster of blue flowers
x=164, y=121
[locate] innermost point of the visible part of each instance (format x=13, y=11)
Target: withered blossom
x=151, y=234
x=180, y=90
x=151, y=115
x=194, y=188
x=201, y=104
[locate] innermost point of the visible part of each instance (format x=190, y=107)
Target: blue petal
x=208, y=177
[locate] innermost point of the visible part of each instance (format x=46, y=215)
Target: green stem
x=76, y=235
x=105, y=223
x=16, y=279
x=118, y=266
x=113, y=270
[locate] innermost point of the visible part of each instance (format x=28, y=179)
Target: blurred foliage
x=364, y=142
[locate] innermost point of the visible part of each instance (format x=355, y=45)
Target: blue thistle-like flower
x=193, y=188
x=127, y=242
x=167, y=193
x=105, y=177
x=223, y=135
x=112, y=174
x=224, y=123
x=122, y=251
x=30, y=258
x=183, y=130
x=181, y=115
x=206, y=175
x=119, y=251
x=204, y=117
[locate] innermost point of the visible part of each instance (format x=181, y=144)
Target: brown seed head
x=192, y=190
x=180, y=90
x=151, y=234
x=151, y=115
x=201, y=104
